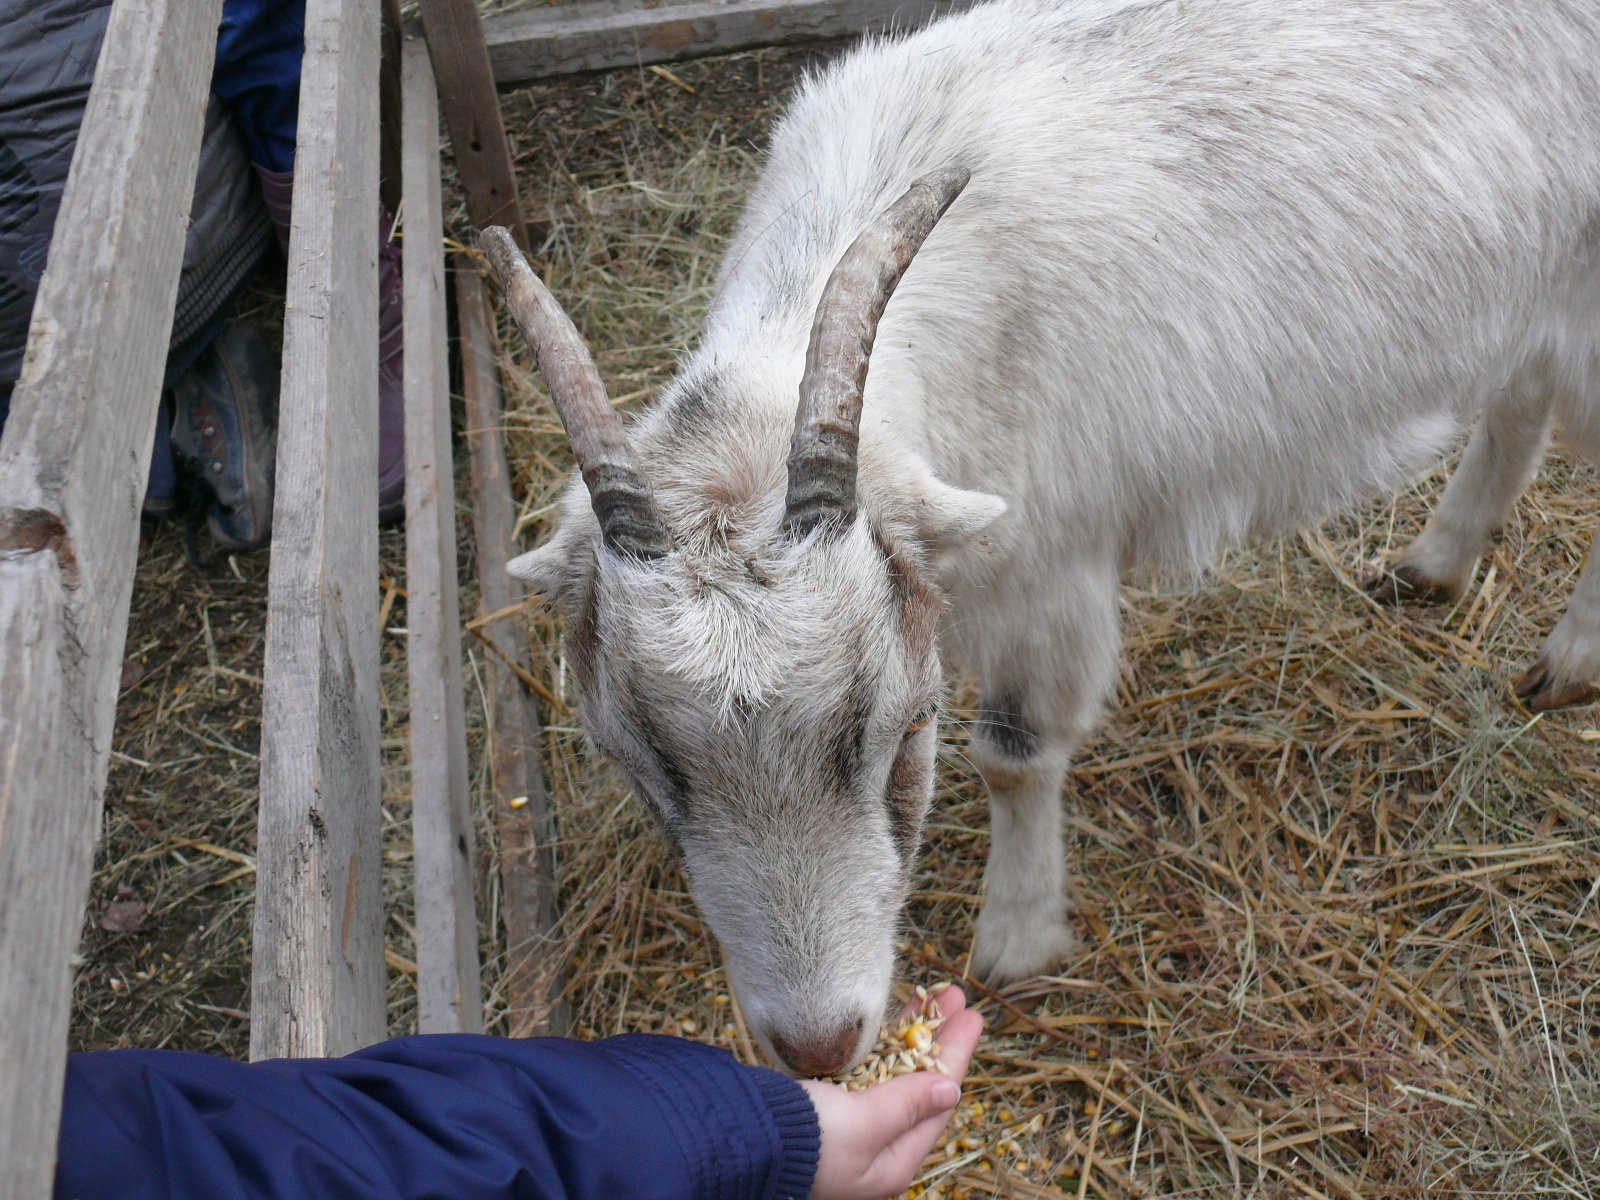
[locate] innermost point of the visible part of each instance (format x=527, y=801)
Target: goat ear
x=949, y=518
x=547, y=570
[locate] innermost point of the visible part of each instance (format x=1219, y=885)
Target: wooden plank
x=541, y=42
x=73, y=464
x=318, y=979
x=449, y=993
x=523, y=817
x=472, y=114
x=49, y=815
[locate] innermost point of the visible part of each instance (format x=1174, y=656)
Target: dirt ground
x=1337, y=890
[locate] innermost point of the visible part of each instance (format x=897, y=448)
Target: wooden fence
x=73, y=464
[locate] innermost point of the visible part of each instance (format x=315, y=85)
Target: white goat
x=1221, y=266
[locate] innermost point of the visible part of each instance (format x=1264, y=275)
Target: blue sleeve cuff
x=747, y=1132
x=796, y=1119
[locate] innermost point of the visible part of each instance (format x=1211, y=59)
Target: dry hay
x=165, y=959
x=1335, y=887
x=1337, y=891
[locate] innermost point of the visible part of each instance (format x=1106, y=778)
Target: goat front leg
x=1039, y=702
x=1567, y=671
x=1022, y=927
x=1499, y=461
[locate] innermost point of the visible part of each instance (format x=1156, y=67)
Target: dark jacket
x=446, y=1117
x=48, y=52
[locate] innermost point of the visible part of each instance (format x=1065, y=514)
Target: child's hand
x=873, y=1141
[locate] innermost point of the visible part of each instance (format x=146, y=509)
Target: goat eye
x=918, y=723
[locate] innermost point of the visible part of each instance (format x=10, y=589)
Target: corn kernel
x=908, y=1046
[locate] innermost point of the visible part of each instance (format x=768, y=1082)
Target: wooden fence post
x=449, y=991
x=73, y=465
x=523, y=818
x=317, y=986
x=472, y=112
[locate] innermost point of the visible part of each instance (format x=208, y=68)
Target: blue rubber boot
x=224, y=433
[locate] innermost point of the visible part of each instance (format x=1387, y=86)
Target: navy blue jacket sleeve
x=442, y=1117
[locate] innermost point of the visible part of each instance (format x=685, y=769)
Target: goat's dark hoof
x=1540, y=693
x=1401, y=584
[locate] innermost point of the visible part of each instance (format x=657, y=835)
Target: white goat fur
x=1222, y=266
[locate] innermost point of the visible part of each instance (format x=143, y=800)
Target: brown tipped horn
x=629, y=522
x=822, y=456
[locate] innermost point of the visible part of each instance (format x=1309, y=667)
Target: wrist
x=795, y=1118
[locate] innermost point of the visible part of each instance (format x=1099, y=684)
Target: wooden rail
x=602, y=34
x=523, y=817
x=449, y=993
x=73, y=464
x=472, y=112
x=317, y=985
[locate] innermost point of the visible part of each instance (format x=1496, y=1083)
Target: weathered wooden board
x=49, y=815
x=449, y=993
x=537, y=43
x=73, y=465
x=472, y=114
x=523, y=818
x=318, y=977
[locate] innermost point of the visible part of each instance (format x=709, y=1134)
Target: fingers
x=950, y=1001
x=874, y=1141
x=958, y=1038
x=890, y=1110
x=902, y=1161
x=906, y=1117
x=958, y=1034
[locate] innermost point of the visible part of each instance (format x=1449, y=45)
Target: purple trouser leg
x=277, y=187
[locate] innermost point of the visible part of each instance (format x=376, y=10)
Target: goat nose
x=818, y=1055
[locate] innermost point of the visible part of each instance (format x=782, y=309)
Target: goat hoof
x=1403, y=584
x=1536, y=689
x=1011, y=946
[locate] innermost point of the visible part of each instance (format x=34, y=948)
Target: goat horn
x=622, y=500
x=822, y=456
